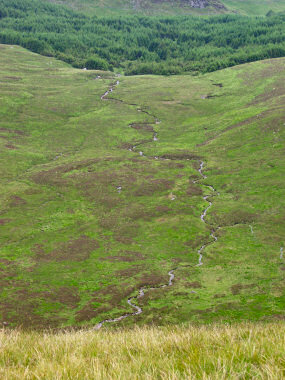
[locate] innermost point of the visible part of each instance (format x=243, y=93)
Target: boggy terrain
x=100, y=200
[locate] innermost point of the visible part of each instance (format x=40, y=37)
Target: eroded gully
x=141, y=292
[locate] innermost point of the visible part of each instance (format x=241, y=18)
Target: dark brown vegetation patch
x=129, y=256
x=129, y=272
x=197, y=241
x=10, y=146
x=219, y=295
x=21, y=310
x=74, y=250
x=111, y=297
x=194, y=284
x=183, y=155
x=193, y=190
x=142, y=127
x=152, y=186
x=67, y=296
x=16, y=201
x=152, y=279
x=4, y=221
x=14, y=131
x=137, y=211
x=163, y=209
x=234, y=217
x=237, y=288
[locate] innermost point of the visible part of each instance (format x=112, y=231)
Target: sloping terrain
x=103, y=194
x=148, y=7
x=246, y=7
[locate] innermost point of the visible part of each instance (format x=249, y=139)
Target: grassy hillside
x=196, y=7
x=87, y=220
x=145, y=7
x=245, y=351
x=254, y=7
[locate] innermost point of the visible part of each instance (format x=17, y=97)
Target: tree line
x=141, y=45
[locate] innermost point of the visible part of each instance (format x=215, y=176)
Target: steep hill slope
x=104, y=194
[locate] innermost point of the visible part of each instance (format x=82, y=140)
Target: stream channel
x=141, y=292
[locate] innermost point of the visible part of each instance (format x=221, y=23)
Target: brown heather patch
x=4, y=221
x=73, y=250
x=234, y=217
x=129, y=256
x=67, y=296
x=16, y=201
x=137, y=211
x=197, y=241
x=227, y=306
x=125, y=145
x=142, y=127
x=237, y=288
x=219, y=295
x=14, y=131
x=193, y=190
x=109, y=221
x=22, y=309
x=175, y=165
x=14, y=78
x=126, y=232
x=10, y=146
x=275, y=90
x=129, y=272
x=111, y=296
x=183, y=155
x=54, y=176
x=204, y=311
x=163, y=209
x=109, y=202
x=7, y=273
x=194, y=284
x=89, y=311
x=274, y=124
x=152, y=186
x=152, y=279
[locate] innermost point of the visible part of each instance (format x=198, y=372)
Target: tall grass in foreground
x=247, y=351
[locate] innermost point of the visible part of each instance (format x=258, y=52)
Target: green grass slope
x=74, y=248
x=254, y=7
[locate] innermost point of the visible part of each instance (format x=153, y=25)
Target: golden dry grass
x=245, y=351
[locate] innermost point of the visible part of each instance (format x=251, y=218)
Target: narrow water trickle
x=141, y=292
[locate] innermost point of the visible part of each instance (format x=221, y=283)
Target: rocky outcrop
x=205, y=3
